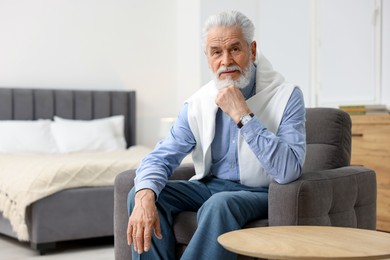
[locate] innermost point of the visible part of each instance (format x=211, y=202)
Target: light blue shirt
x=282, y=154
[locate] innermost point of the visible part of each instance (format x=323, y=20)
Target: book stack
x=365, y=109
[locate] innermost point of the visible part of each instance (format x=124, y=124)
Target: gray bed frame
x=80, y=213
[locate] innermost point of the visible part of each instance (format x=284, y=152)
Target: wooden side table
x=308, y=242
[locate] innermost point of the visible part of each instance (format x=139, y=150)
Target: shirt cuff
x=252, y=129
x=148, y=185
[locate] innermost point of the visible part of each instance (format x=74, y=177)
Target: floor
x=101, y=249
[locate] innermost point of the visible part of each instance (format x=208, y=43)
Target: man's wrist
x=145, y=192
x=245, y=119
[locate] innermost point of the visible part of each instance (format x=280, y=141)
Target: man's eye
x=216, y=53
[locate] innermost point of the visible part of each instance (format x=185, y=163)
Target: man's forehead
x=218, y=36
x=219, y=44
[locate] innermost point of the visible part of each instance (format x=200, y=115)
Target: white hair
x=229, y=19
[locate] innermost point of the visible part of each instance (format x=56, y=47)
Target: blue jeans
x=221, y=206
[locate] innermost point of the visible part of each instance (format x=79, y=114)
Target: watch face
x=245, y=119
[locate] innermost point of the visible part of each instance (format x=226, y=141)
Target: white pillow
x=105, y=134
x=25, y=137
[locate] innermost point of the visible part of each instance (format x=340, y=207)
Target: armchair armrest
x=123, y=184
x=338, y=197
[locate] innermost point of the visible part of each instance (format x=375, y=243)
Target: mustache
x=227, y=69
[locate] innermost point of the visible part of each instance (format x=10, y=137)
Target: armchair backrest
x=328, y=139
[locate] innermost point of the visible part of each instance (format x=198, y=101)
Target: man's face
x=227, y=48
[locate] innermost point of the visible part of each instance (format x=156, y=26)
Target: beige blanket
x=25, y=179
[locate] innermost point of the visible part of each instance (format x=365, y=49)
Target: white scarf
x=268, y=105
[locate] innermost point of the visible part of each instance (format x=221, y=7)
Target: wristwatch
x=245, y=119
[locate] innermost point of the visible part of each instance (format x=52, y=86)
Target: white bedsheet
x=25, y=179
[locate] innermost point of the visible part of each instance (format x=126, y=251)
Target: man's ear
x=253, y=50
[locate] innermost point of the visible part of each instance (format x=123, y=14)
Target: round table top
x=308, y=242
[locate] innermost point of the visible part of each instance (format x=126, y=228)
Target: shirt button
x=233, y=142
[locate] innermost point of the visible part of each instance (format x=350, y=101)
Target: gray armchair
x=330, y=192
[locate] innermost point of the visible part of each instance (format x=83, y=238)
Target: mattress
x=25, y=179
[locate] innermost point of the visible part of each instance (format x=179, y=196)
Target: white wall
x=151, y=46
x=331, y=48
x=348, y=63
x=385, y=93
x=94, y=44
x=284, y=33
x=188, y=49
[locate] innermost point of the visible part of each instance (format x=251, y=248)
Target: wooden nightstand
x=371, y=148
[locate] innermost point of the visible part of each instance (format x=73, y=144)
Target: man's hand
x=142, y=221
x=232, y=102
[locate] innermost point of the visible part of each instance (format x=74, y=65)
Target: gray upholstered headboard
x=32, y=104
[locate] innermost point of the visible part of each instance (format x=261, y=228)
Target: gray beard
x=240, y=83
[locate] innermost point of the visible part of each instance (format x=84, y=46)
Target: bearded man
x=245, y=129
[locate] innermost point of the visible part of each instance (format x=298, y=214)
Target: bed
x=77, y=211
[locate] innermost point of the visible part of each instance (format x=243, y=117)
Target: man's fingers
x=129, y=233
x=139, y=239
x=232, y=102
x=147, y=238
x=157, y=228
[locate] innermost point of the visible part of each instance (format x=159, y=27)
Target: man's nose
x=227, y=59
